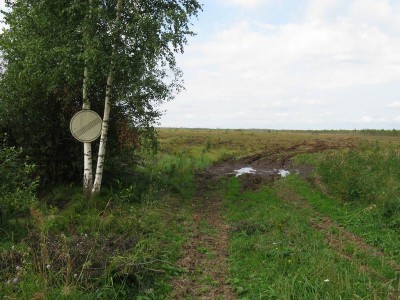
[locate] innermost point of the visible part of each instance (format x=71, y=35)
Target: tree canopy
x=44, y=51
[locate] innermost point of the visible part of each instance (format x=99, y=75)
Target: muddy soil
x=205, y=260
x=267, y=163
x=206, y=253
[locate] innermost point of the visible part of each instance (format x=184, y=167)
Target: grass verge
x=276, y=254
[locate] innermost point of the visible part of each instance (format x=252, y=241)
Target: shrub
x=17, y=182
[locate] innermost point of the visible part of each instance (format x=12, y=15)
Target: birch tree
x=145, y=36
x=87, y=146
x=107, y=105
x=127, y=61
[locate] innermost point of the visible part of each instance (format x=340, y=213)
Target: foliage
x=17, y=183
x=43, y=56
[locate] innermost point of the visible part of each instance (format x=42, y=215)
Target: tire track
x=205, y=261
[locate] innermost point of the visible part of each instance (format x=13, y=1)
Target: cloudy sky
x=2, y=6
x=291, y=64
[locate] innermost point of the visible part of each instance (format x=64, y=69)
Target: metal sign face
x=85, y=125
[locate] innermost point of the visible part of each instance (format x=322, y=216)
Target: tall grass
x=368, y=174
x=356, y=180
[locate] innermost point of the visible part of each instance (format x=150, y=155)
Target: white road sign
x=85, y=125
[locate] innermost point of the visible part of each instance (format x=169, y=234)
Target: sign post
x=85, y=126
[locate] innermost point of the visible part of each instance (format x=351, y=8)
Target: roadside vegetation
x=327, y=233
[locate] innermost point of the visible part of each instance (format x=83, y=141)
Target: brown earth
x=206, y=253
x=268, y=162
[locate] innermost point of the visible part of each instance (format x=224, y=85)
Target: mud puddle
x=249, y=170
x=276, y=162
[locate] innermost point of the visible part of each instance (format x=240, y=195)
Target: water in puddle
x=246, y=170
x=283, y=172
x=249, y=170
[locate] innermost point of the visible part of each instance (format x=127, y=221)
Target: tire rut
x=205, y=261
x=337, y=237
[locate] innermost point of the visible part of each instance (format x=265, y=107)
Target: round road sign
x=85, y=125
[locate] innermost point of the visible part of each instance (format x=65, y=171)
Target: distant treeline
x=378, y=132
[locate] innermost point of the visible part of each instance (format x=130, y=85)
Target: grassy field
x=185, y=228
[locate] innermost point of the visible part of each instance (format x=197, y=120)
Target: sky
x=291, y=64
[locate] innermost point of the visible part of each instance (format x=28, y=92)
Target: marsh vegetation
x=180, y=224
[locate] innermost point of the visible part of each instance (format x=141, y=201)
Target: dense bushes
x=17, y=184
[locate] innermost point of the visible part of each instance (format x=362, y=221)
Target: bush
x=17, y=182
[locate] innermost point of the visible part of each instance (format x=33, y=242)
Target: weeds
x=17, y=183
x=104, y=248
x=123, y=243
x=367, y=174
x=275, y=254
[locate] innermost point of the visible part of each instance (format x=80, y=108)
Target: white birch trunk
x=106, y=117
x=87, y=147
x=103, y=137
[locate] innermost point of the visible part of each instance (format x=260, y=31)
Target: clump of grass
x=99, y=248
x=362, y=176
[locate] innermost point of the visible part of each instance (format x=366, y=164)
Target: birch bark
x=87, y=147
x=107, y=108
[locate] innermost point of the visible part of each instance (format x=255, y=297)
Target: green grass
x=367, y=221
x=367, y=174
x=361, y=191
x=124, y=243
x=276, y=254
x=117, y=250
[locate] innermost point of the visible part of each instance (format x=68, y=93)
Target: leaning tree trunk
x=103, y=137
x=106, y=117
x=87, y=147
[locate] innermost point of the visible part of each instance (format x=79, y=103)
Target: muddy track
x=282, y=155
x=205, y=261
x=206, y=253
x=278, y=157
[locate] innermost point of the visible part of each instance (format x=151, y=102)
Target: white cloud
x=298, y=56
x=395, y=104
x=2, y=7
x=321, y=11
x=269, y=70
x=368, y=119
x=244, y=3
x=367, y=10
